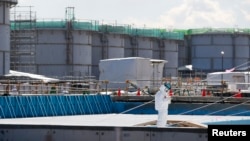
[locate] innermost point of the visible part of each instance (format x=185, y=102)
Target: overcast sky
x=180, y=14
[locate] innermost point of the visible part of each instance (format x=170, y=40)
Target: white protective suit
x=162, y=100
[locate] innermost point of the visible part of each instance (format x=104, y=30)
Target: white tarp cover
x=186, y=68
x=45, y=79
x=135, y=69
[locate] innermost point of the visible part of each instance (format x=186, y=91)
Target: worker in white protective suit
x=162, y=100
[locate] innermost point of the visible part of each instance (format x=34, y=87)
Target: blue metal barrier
x=53, y=105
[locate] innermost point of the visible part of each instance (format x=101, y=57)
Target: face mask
x=167, y=85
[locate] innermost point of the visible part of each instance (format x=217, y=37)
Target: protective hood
x=162, y=88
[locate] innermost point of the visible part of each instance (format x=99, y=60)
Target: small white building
x=140, y=71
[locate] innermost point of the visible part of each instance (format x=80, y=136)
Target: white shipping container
x=215, y=78
x=234, y=80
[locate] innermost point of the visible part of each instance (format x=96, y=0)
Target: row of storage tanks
x=65, y=51
x=87, y=48
x=205, y=50
x=56, y=56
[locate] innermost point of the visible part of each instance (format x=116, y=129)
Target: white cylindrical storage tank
x=206, y=50
x=139, y=46
x=170, y=55
x=51, y=52
x=182, y=54
x=58, y=56
x=82, y=53
x=116, y=46
x=5, y=6
x=106, y=46
x=167, y=50
x=145, y=47
x=155, y=48
x=241, y=46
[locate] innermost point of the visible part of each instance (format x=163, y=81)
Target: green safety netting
x=51, y=24
x=114, y=29
x=21, y=26
x=85, y=25
x=217, y=30
x=159, y=33
x=92, y=25
x=38, y=24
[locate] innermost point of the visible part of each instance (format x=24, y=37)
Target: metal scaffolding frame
x=23, y=40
